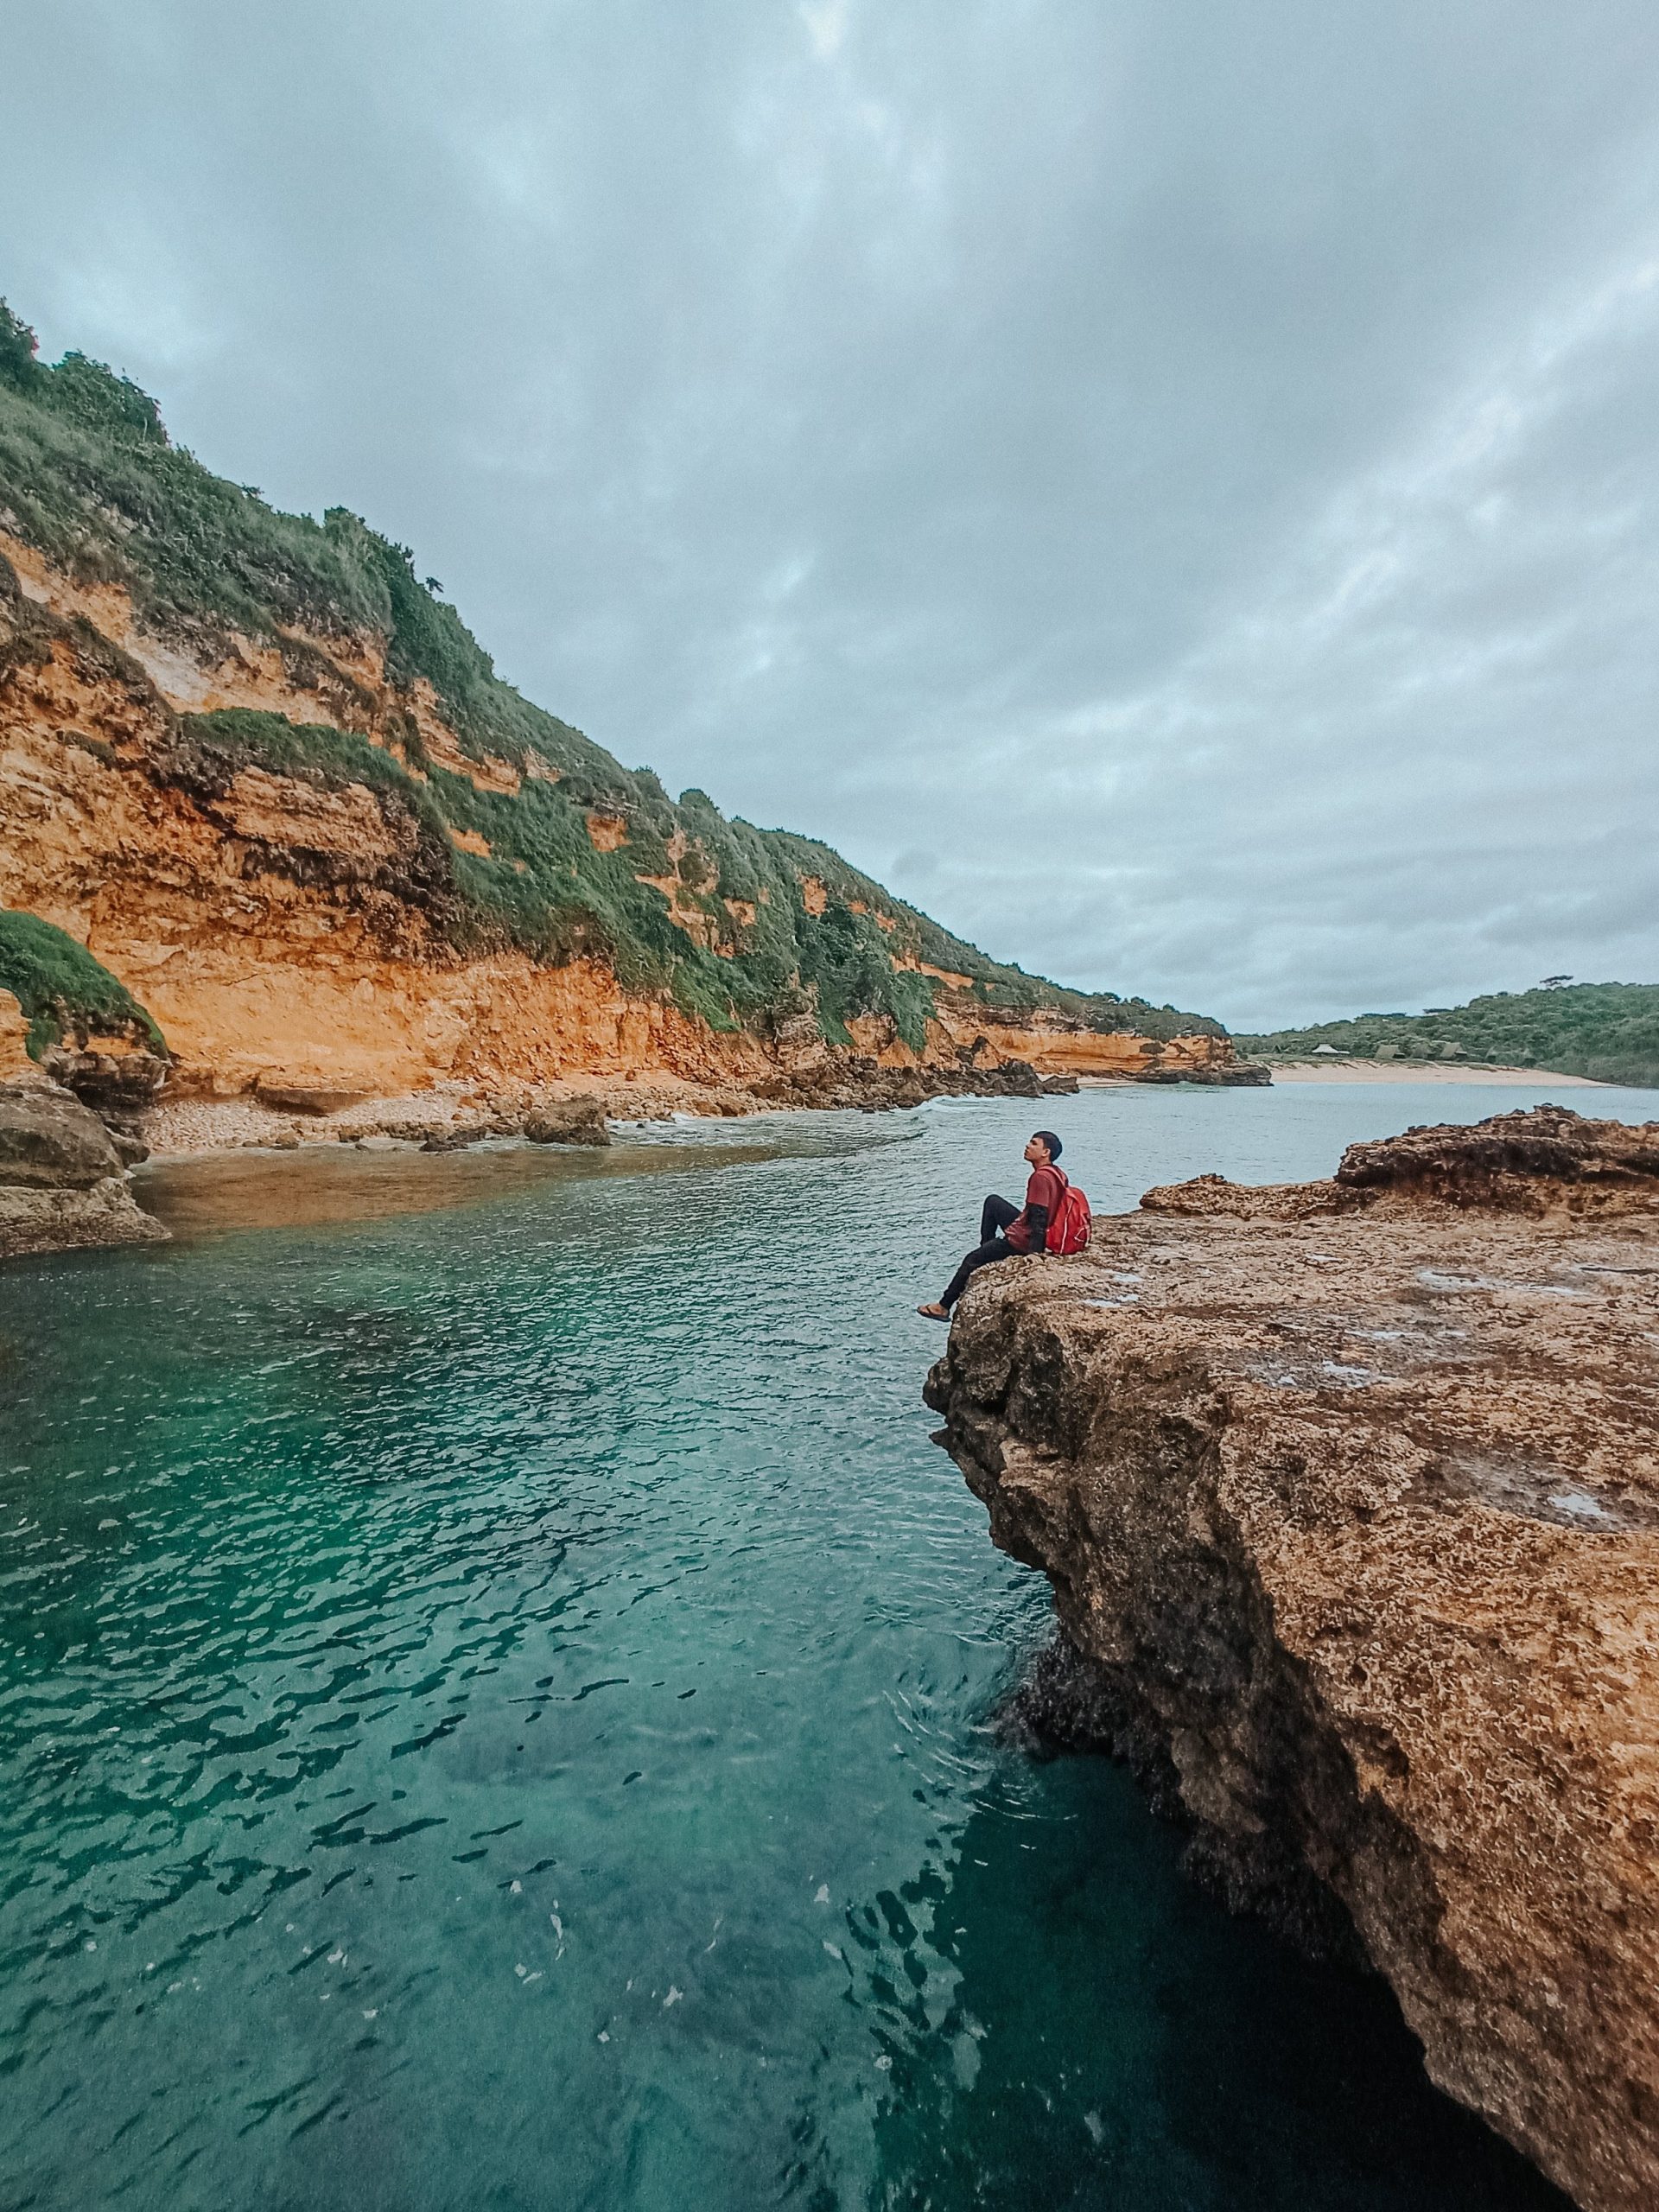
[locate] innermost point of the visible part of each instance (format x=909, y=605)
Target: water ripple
x=493, y=1713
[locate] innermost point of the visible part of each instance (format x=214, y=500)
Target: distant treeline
x=1609, y=1031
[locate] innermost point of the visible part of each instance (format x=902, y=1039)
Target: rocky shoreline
x=1348, y=1493
x=72, y=1129
x=289, y=1115
x=141, y=1100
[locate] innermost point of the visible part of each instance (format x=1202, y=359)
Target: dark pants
x=995, y=1216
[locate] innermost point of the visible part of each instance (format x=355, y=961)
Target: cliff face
x=1349, y=1495
x=16, y=1065
x=270, y=781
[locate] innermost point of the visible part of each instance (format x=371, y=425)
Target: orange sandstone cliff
x=270, y=781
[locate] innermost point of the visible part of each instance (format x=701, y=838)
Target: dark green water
x=495, y=1714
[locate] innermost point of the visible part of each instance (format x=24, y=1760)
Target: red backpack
x=1069, y=1230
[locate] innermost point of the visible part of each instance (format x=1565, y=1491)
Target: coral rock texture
x=1349, y=1496
x=577, y=1120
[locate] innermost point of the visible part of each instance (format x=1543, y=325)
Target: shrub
x=63, y=990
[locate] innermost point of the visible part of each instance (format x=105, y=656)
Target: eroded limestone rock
x=115, y=1085
x=569, y=1120
x=285, y=1098
x=305, y=925
x=1349, y=1494
x=62, y=1180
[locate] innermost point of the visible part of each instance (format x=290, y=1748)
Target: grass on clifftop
x=90, y=478
x=63, y=990
x=1607, y=1031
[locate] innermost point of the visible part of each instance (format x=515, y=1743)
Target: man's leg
x=982, y=1256
x=995, y=1216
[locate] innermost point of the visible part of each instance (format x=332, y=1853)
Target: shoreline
x=1408, y=1071
x=203, y=1128
x=207, y=1128
x=457, y=1115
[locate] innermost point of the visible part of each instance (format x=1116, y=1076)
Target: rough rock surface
x=1238, y=1074
x=305, y=1099
x=1349, y=1495
x=16, y=1065
x=1542, y=1162
x=577, y=1120
x=118, y=1086
x=62, y=1179
x=860, y=1081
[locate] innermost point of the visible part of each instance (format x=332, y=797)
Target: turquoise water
x=495, y=1713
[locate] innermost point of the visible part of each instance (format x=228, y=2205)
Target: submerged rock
x=1348, y=1496
x=456, y=1140
x=62, y=1181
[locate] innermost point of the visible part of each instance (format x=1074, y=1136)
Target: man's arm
x=1043, y=1196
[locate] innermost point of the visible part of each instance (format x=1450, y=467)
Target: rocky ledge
x=857, y=1081
x=1349, y=1496
x=63, y=1176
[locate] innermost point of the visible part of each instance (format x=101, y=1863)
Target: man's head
x=1044, y=1149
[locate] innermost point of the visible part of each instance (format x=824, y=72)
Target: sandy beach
x=1414, y=1072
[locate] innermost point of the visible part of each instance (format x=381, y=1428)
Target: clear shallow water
x=493, y=1714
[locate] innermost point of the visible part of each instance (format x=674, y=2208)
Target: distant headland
x=1599, y=1032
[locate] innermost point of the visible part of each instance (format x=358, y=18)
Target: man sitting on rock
x=1009, y=1232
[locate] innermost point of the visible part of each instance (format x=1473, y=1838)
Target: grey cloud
x=1171, y=488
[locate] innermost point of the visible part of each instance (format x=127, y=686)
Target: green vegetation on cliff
x=63, y=990
x=1609, y=1031
x=89, y=478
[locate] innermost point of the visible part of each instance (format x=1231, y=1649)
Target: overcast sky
x=1171, y=488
